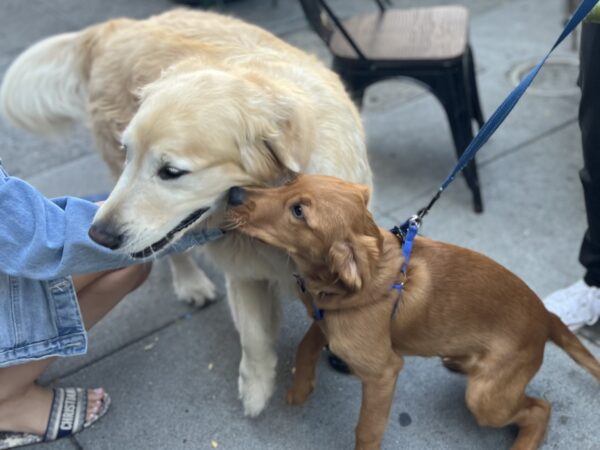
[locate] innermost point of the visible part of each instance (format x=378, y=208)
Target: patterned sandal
x=67, y=417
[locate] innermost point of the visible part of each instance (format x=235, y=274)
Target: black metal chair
x=427, y=44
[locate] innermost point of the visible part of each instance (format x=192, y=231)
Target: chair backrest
x=324, y=22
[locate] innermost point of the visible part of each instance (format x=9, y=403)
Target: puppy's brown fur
x=457, y=304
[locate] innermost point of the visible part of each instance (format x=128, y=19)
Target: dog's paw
x=255, y=394
x=196, y=291
x=299, y=392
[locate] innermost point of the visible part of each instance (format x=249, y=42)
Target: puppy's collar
x=318, y=313
x=406, y=233
x=399, y=233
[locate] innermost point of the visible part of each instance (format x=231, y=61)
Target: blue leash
x=409, y=229
x=492, y=124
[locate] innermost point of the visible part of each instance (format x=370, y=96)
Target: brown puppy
x=457, y=304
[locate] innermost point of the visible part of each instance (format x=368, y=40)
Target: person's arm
x=45, y=239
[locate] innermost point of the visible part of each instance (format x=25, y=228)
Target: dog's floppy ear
x=342, y=262
x=279, y=130
x=352, y=261
x=346, y=264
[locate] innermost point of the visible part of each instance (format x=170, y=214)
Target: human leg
x=24, y=405
x=579, y=304
x=589, y=122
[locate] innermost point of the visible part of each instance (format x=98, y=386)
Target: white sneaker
x=576, y=305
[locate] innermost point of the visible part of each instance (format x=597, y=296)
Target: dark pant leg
x=589, y=122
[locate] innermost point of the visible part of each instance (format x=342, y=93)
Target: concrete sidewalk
x=172, y=371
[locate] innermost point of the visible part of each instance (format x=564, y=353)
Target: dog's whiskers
x=233, y=223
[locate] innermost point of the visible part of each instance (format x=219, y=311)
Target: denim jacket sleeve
x=45, y=239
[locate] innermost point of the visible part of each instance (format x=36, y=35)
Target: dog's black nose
x=236, y=196
x=106, y=234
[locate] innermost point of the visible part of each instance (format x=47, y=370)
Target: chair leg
x=356, y=91
x=357, y=96
x=470, y=173
x=455, y=98
x=355, y=86
x=473, y=90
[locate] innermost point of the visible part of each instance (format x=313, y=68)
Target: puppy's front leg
x=306, y=363
x=377, y=396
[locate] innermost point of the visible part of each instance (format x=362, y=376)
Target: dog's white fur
x=224, y=100
x=51, y=94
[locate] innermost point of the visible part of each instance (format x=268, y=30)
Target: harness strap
x=407, y=232
x=318, y=313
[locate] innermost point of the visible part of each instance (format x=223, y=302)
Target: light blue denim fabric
x=42, y=242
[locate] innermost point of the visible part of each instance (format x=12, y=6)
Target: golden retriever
x=183, y=106
x=458, y=304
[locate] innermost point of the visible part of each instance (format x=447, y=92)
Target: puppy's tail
x=565, y=339
x=44, y=90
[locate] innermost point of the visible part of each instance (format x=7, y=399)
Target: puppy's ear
x=352, y=262
x=279, y=130
x=343, y=262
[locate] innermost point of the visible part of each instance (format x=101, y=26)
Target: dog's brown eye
x=123, y=148
x=297, y=211
x=171, y=173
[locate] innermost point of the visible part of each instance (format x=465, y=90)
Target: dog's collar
x=318, y=313
x=406, y=234
x=401, y=232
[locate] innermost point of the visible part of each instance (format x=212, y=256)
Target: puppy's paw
x=299, y=392
x=195, y=290
x=255, y=394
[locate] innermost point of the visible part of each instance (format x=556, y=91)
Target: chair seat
x=419, y=34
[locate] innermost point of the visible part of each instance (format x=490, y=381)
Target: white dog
x=194, y=103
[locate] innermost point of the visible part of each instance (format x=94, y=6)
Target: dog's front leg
x=256, y=310
x=307, y=357
x=377, y=395
x=189, y=281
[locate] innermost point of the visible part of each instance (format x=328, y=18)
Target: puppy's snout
x=236, y=196
x=107, y=235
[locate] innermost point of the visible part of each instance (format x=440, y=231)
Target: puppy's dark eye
x=297, y=211
x=171, y=173
x=123, y=148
